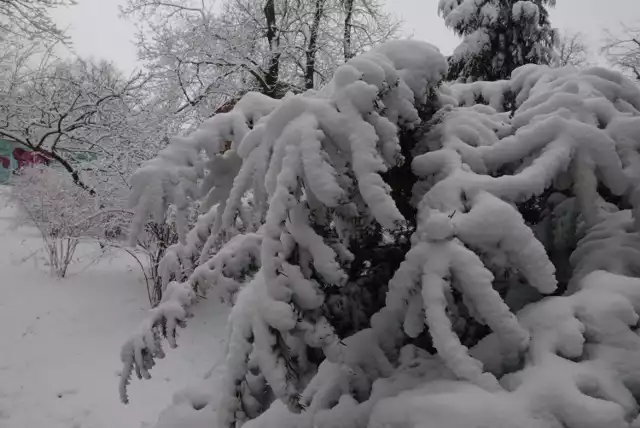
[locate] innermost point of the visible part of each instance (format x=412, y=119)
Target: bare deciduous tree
x=70, y=111
x=622, y=48
x=572, y=50
x=30, y=19
x=202, y=60
x=96, y=124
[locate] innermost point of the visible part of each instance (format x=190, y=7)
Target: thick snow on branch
x=140, y=351
x=230, y=266
x=290, y=160
x=579, y=371
x=525, y=10
x=341, y=124
x=560, y=127
x=510, y=236
x=568, y=146
x=172, y=177
x=497, y=36
x=178, y=259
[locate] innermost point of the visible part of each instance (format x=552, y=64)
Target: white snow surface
x=59, y=360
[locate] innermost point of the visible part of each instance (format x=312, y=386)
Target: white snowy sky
x=97, y=31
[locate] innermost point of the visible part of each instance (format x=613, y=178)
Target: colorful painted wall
x=14, y=156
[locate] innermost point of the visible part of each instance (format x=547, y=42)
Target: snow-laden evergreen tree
x=376, y=240
x=498, y=36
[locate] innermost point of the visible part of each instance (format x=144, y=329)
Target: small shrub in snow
x=451, y=283
x=61, y=211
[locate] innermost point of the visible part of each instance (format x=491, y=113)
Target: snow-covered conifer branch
x=139, y=352
x=532, y=193
x=498, y=36
x=236, y=261
x=555, y=131
x=289, y=156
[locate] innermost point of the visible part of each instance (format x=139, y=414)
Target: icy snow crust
x=563, y=362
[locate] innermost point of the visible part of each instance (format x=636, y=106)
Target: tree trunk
x=273, y=71
x=312, y=47
x=346, y=42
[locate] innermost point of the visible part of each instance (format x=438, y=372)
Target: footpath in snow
x=60, y=339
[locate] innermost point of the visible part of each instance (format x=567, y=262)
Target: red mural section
x=25, y=158
x=13, y=157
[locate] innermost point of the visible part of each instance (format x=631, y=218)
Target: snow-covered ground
x=60, y=339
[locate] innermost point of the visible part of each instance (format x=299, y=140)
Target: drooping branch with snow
x=508, y=207
x=304, y=157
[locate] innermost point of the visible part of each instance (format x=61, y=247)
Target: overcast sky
x=97, y=31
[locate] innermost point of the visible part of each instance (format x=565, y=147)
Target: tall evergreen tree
x=498, y=36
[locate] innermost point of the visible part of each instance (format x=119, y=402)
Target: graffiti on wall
x=14, y=156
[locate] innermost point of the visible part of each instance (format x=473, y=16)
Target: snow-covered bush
x=158, y=242
x=364, y=193
x=62, y=211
